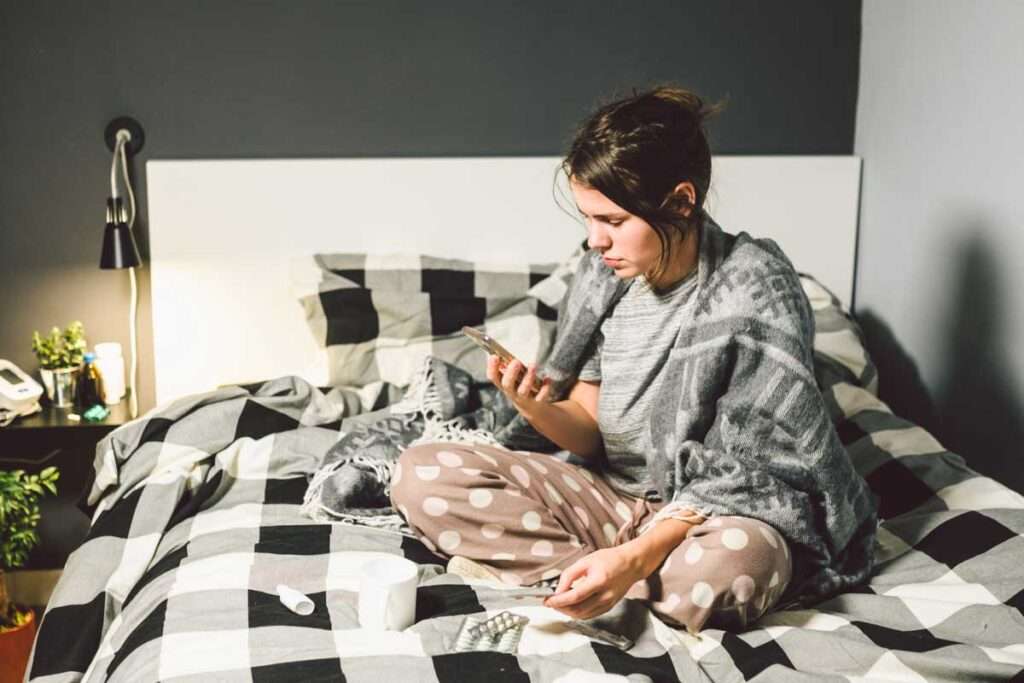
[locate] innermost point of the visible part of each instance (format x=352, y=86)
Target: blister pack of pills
x=500, y=633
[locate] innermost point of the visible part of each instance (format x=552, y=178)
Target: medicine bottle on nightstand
x=111, y=365
x=90, y=390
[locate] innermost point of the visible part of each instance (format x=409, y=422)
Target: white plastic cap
x=294, y=600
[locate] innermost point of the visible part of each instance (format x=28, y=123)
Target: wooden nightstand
x=49, y=438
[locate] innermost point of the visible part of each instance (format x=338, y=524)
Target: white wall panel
x=231, y=240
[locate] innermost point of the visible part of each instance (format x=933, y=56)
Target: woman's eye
x=615, y=223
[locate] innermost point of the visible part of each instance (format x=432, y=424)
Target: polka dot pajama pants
x=528, y=516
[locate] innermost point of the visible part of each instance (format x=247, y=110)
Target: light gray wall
x=941, y=253
x=330, y=78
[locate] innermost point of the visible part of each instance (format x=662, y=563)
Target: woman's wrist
x=648, y=551
x=638, y=559
x=534, y=411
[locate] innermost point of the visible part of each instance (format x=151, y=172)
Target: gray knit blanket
x=740, y=426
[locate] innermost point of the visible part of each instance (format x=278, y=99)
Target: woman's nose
x=597, y=237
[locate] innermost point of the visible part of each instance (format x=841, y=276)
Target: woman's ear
x=688, y=192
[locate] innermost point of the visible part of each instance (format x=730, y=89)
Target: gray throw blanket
x=442, y=403
x=740, y=426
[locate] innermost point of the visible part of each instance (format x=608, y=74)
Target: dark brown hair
x=636, y=150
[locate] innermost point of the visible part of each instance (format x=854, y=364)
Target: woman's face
x=628, y=244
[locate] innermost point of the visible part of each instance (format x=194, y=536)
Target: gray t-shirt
x=628, y=358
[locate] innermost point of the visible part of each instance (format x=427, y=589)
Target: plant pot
x=60, y=385
x=15, y=649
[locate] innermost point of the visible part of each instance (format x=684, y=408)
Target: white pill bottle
x=111, y=365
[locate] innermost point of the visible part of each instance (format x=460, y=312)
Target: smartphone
x=491, y=346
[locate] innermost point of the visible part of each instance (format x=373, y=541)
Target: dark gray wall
x=380, y=78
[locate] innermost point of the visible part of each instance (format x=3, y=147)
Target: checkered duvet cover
x=197, y=521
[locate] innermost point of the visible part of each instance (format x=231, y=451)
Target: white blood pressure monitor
x=18, y=391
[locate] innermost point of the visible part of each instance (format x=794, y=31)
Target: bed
x=198, y=504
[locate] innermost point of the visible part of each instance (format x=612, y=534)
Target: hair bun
x=688, y=103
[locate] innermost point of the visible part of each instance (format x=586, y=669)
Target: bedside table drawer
x=27, y=456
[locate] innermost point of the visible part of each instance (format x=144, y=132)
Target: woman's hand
x=520, y=390
x=595, y=583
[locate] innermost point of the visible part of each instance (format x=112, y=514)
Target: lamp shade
x=119, y=248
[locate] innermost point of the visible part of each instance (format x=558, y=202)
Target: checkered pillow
x=839, y=352
x=378, y=317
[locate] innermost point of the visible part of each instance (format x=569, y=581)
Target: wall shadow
x=975, y=409
x=900, y=384
x=977, y=398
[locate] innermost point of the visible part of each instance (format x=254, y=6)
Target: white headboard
x=231, y=241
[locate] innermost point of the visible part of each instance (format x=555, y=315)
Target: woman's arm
x=571, y=424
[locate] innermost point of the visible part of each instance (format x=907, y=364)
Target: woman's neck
x=685, y=256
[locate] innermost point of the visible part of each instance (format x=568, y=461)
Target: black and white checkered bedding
x=379, y=317
x=197, y=522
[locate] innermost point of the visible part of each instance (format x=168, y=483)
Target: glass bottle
x=89, y=391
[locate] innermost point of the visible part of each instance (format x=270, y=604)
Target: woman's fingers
x=512, y=370
x=526, y=384
x=497, y=371
x=545, y=390
x=573, y=585
x=517, y=380
x=575, y=596
x=569, y=575
x=593, y=606
x=492, y=370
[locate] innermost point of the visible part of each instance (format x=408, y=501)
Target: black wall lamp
x=124, y=137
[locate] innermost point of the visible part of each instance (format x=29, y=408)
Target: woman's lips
x=612, y=262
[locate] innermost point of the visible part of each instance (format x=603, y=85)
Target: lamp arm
x=118, y=146
x=127, y=183
x=122, y=140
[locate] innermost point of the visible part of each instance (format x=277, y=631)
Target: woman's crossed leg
x=528, y=516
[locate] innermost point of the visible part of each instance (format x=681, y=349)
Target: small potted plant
x=60, y=356
x=19, y=515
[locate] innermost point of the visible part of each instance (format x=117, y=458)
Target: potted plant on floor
x=19, y=515
x=60, y=356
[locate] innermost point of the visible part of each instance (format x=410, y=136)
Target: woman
x=714, y=485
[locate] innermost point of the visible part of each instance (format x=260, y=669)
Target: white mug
x=387, y=594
